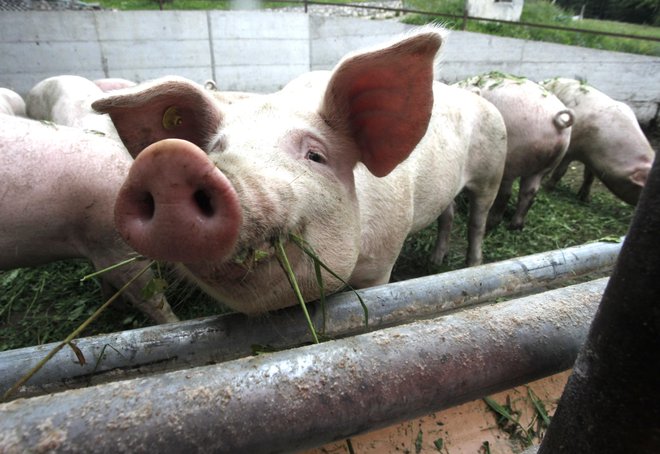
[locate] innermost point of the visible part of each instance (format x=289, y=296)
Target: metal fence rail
x=296, y=399
x=216, y=339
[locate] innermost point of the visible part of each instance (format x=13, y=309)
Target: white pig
x=11, y=103
x=538, y=129
x=113, y=83
x=351, y=165
x=58, y=188
x=606, y=138
x=66, y=100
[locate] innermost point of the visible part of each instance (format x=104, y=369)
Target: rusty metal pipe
x=216, y=339
x=312, y=395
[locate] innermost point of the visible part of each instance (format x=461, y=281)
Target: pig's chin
x=253, y=282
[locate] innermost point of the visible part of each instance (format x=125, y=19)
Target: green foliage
x=544, y=12
x=44, y=304
x=636, y=11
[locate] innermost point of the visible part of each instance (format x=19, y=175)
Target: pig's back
x=604, y=127
x=58, y=184
x=465, y=142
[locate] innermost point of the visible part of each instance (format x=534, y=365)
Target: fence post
x=465, y=18
x=305, y=3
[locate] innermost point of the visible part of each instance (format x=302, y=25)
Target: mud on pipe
x=216, y=339
x=305, y=397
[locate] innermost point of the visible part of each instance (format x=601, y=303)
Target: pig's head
x=215, y=184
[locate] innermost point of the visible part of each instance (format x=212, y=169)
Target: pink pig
x=606, y=138
x=351, y=162
x=58, y=187
x=538, y=126
x=113, y=83
x=66, y=100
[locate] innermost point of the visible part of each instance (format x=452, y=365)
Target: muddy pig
x=606, y=138
x=66, y=100
x=11, y=103
x=538, y=129
x=58, y=187
x=215, y=186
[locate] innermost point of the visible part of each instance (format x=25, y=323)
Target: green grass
x=45, y=304
x=556, y=220
x=543, y=12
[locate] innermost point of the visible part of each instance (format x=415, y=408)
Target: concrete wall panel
x=151, y=26
x=259, y=25
x=261, y=51
x=148, y=55
x=42, y=26
x=266, y=79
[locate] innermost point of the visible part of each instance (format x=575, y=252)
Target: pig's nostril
x=203, y=202
x=146, y=206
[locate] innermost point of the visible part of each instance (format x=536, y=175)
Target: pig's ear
x=162, y=109
x=383, y=98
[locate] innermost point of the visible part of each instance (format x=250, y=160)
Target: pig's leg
x=585, y=189
x=501, y=201
x=480, y=204
x=155, y=305
x=529, y=186
x=558, y=173
x=444, y=230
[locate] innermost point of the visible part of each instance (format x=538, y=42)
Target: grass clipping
x=69, y=339
x=318, y=264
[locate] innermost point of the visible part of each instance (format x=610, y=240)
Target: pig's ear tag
x=171, y=118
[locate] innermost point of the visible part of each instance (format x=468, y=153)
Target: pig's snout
x=176, y=205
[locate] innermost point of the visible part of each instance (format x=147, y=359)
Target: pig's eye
x=315, y=156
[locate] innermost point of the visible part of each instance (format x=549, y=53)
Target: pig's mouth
x=248, y=262
x=254, y=280
x=248, y=259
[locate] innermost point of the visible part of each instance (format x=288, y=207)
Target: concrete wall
x=262, y=51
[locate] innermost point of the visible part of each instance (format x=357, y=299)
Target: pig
x=11, y=103
x=350, y=163
x=113, y=83
x=227, y=97
x=66, y=100
x=606, y=138
x=58, y=187
x=538, y=129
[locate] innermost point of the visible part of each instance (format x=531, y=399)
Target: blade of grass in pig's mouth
x=248, y=259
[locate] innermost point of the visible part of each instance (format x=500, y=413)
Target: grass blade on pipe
x=310, y=252
x=284, y=262
x=73, y=335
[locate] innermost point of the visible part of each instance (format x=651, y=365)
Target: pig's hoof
x=438, y=258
